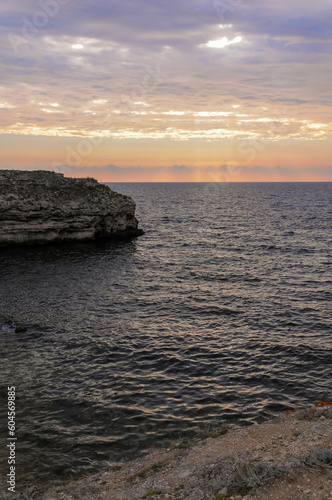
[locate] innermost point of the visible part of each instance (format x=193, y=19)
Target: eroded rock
x=38, y=207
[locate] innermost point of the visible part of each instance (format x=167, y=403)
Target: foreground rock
x=289, y=458
x=43, y=207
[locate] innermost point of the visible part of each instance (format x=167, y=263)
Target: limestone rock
x=44, y=207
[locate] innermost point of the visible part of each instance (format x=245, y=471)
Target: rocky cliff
x=43, y=207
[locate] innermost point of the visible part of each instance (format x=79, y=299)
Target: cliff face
x=45, y=207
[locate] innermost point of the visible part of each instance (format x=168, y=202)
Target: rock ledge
x=38, y=207
x=287, y=458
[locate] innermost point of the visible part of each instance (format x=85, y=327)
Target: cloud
x=223, y=42
x=189, y=62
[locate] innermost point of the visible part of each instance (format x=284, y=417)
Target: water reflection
x=220, y=312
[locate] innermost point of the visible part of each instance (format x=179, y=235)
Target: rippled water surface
x=220, y=312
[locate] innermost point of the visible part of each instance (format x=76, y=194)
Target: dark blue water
x=220, y=312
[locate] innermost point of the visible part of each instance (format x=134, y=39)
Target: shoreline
x=289, y=456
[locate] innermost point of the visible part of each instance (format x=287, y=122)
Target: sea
x=220, y=313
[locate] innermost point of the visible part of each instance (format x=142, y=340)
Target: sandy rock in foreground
x=287, y=458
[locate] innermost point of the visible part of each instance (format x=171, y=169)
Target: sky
x=165, y=90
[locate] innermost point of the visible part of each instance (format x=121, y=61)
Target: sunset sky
x=153, y=90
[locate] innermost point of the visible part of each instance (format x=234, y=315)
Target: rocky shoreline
x=39, y=207
x=288, y=458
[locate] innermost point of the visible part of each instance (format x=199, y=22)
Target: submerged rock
x=39, y=207
x=21, y=329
